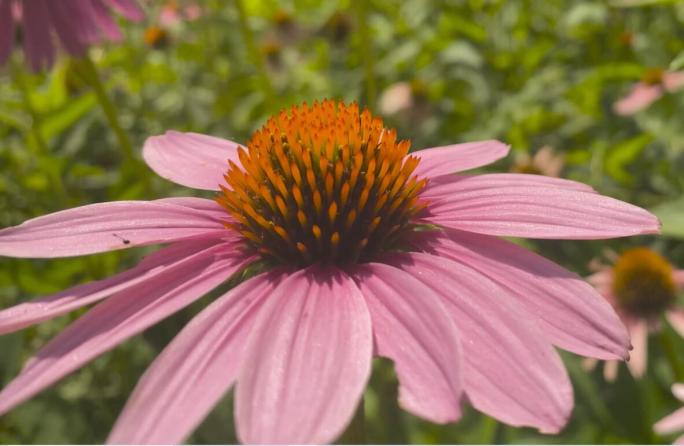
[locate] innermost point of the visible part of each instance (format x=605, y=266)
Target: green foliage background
x=528, y=72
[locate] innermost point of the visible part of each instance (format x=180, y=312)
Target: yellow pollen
x=326, y=183
x=643, y=283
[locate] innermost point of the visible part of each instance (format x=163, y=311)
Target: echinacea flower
x=653, y=85
x=173, y=13
x=675, y=421
x=369, y=251
x=76, y=23
x=544, y=162
x=642, y=287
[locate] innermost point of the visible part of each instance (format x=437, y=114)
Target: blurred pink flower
x=642, y=287
x=172, y=13
x=675, y=421
x=460, y=312
x=544, y=162
x=77, y=24
x=654, y=84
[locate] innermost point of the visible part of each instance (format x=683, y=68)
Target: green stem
x=254, y=54
x=356, y=431
x=91, y=76
x=36, y=125
x=671, y=354
x=490, y=431
x=366, y=52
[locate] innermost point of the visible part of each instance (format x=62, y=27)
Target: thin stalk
x=36, y=122
x=254, y=54
x=92, y=77
x=356, y=431
x=671, y=354
x=366, y=51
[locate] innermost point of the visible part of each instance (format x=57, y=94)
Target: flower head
x=544, y=162
x=76, y=23
x=642, y=287
x=371, y=251
x=654, y=84
x=675, y=421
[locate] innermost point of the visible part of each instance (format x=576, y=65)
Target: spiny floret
x=643, y=282
x=323, y=184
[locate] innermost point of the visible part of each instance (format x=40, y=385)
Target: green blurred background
x=531, y=73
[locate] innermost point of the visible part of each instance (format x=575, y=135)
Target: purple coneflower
x=642, y=287
x=77, y=24
x=675, y=421
x=653, y=85
x=370, y=251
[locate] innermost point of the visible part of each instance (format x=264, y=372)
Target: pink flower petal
x=442, y=188
x=510, y=370
x=610, y=370
x=105, y=21
x=105, y=227
x=123, y=315
x=673, y=80
x=48, y=307
x=127, y=8
x=641, y=96
x=678, y=391
x=678, y=276
x=307, y=362
x=675, y=317
x=190, y=159
x=671, y=423
x=192, y=374
x=73, y=26
x=486, y=205
x=6, y=30
x=638, y=331
x=208, y=207
x=411, y=327
x=40, y=53
x=444, y=160
x=570, y=312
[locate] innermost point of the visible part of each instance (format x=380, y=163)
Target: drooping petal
x=678, y=391
x=38, y=47
x=44, y=308
x=444, y=160
x=510, y=370
x=105, y=21
x=195, y=370
x=569, y=311
x=638, y=330
x=6, y=30
x=207, y=207
x=483, y=204
x=127, y=8
x=610, y=370
x=307, y=361
x=671, y=423
x=641, y=96
x=190, y=159
x=104, y=227
x=675, y=317
x=123, y=315
x=678, y=276
x=673, y=80
x=411, y=327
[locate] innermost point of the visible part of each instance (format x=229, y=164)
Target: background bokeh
x=532, y=73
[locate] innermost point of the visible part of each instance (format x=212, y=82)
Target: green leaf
x=671, y=215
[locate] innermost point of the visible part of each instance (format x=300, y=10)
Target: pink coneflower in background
x=642, y=287
x=76, y=23
x=653, y=85
x=174, y=12
x=369, y=251
x=544, y=162
x=675, y=421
